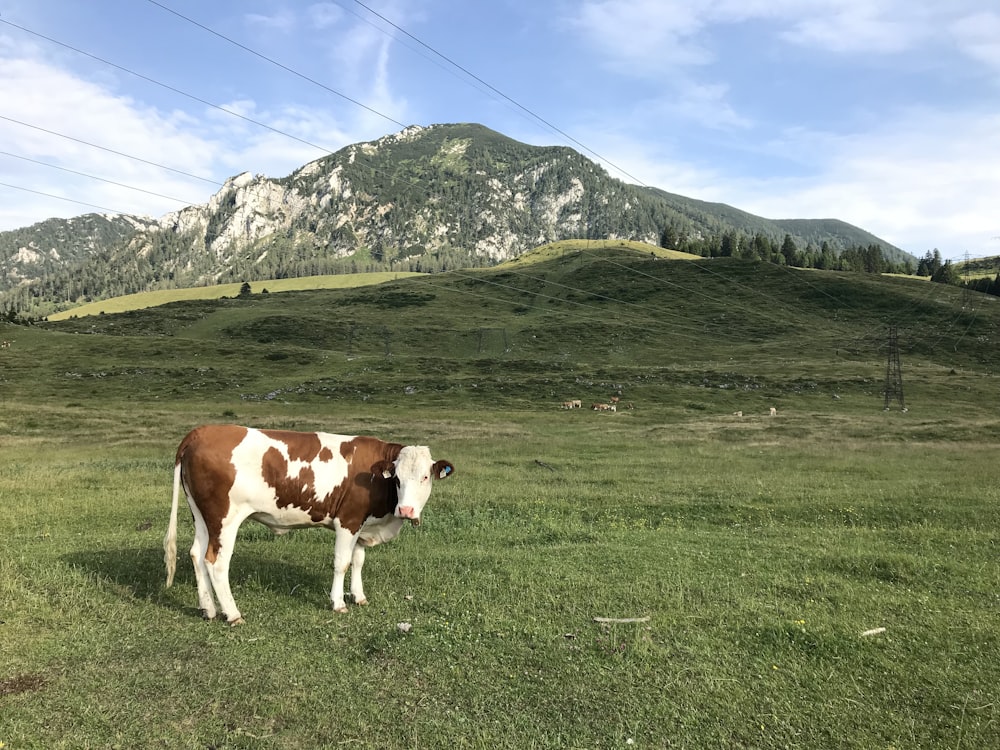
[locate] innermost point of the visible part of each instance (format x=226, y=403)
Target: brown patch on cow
x=325, y=455
x=23, y=683
x=208, y=473
x=364, y=493
x=302, y=446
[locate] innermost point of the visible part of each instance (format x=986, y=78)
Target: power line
x=447, y=59
x=111, y=151
x=167, y=86
x=324, y=149
x=498, y=92
x=276, y=63
x=61, y=198
x=95, y=177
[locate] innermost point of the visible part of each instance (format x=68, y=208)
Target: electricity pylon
x=893, y=373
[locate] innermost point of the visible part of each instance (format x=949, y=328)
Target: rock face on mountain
x=426, y=198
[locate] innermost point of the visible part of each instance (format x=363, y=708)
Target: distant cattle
x=362, y=488
x=737, y=413
x=5, y=344
x=774, y=412
x=603, y=407
x=574, y=404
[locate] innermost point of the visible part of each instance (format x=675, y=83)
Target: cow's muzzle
x=408, y=512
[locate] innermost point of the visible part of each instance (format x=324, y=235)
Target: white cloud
x=870, y=27
x=282, y=22
x=706, y=104
x=324, y=15
x=645, y=37
x=978, y=36
x=117, y=139
x=51, y=101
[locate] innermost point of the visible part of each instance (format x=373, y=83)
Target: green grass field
x=144, y=300
x=761, y=549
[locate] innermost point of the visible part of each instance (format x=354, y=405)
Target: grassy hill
x=686, y=334
x=978, y=268
x=626, y=248
x=143, y=300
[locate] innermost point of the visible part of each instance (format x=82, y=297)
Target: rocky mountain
x=426, y=198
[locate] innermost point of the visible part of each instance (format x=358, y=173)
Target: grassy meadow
x=824, y=578
x=143, y=300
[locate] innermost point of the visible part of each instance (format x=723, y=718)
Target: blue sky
x=882, y=113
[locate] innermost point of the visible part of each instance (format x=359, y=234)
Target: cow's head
x=413, y=471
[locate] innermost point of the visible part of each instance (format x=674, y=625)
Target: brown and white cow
x=361, y=487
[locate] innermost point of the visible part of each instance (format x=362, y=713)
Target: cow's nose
x=406, y=511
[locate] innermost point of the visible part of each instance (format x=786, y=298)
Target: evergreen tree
x=761, y=247
x=790, y=250
x=930, y=264
x=946, y=274
x=669, y=238
x=730, y=245
x=827, y=258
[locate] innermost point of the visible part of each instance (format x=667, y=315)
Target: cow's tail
x=170, y=540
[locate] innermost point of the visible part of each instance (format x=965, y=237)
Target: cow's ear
x=442, y=469
x=385, y=469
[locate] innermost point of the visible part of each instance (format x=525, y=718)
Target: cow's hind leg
x=218, y=571
x=198, y=551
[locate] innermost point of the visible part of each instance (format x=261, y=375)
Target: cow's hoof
x=362, y=602
x=341, y=609
x=207, y=615
x=237, y=621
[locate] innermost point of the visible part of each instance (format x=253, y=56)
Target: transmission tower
x=893, y=373
x=966, y=289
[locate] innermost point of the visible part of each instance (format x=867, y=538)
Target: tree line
x=858, y=258
x=759, y=246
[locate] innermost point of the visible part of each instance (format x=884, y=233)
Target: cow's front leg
x=357, y=563
x=342, y=554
